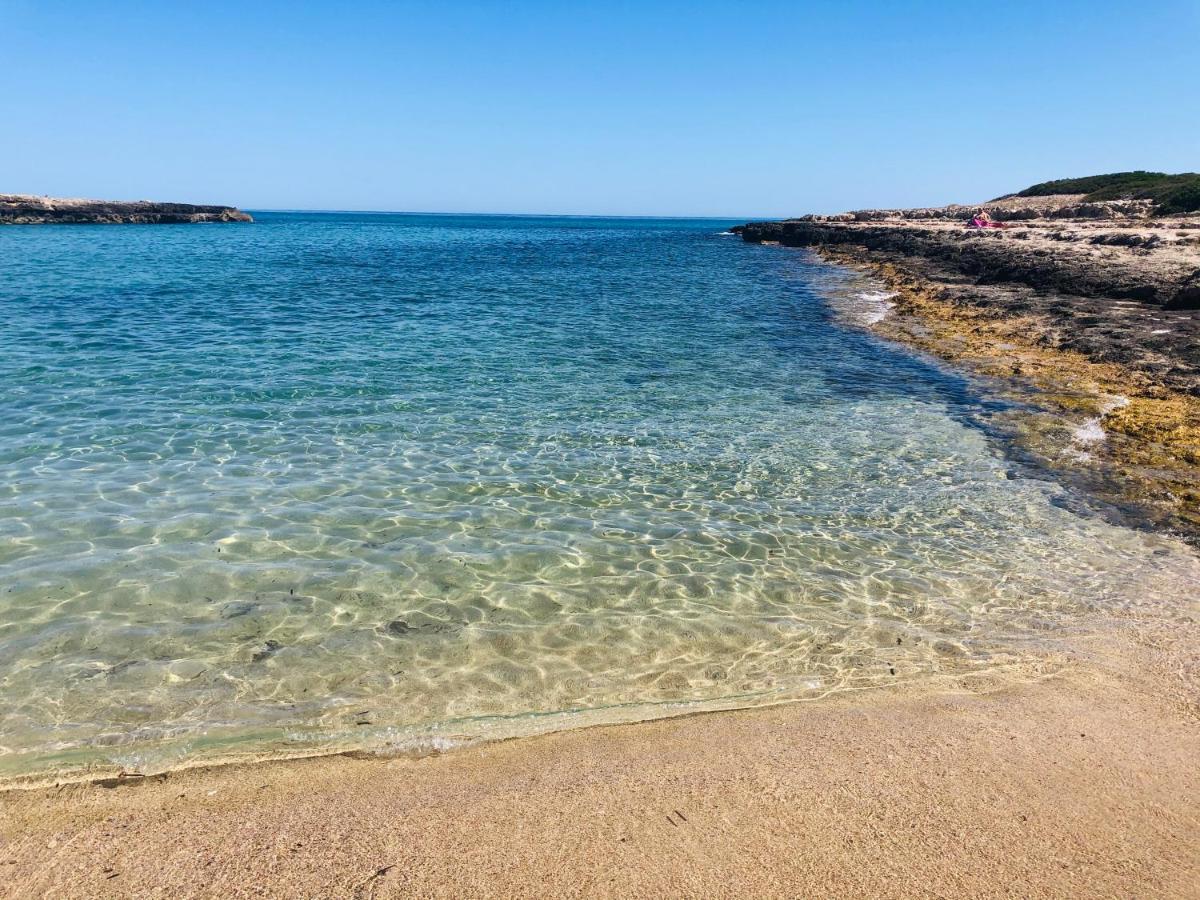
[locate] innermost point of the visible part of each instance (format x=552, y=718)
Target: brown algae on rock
x=1140, y=438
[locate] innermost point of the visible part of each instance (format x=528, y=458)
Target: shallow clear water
x=369, y=480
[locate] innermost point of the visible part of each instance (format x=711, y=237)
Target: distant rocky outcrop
x=26, y=209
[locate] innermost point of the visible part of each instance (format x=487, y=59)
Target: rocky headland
x=1086, y=303
x=26, y=209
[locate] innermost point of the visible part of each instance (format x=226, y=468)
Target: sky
x=724, y=109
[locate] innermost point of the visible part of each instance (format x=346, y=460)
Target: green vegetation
x=1170, y=193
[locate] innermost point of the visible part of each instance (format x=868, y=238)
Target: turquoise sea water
x=382, y=481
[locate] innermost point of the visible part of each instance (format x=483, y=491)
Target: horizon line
x=527, y=215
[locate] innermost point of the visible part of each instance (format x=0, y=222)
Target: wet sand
x=1081, y=778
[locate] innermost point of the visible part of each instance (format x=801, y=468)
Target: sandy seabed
x=1077, y=778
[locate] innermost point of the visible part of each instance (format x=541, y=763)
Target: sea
x=398, y=483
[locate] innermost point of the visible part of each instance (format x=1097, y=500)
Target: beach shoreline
x=1076, y=779
x=1065, y=767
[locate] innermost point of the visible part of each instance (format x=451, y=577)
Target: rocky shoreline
x=1090, y=309
x=26, y=209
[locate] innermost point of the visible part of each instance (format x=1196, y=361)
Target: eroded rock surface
x=26, y=209
x=1120, y=287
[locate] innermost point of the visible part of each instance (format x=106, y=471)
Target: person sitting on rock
x=983, y=220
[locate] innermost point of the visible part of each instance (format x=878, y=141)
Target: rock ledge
x=26, y=209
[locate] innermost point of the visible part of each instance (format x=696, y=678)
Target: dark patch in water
x=269, y=648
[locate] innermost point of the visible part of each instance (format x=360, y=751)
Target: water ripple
x=381, y=481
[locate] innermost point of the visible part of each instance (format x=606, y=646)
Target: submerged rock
x=268, y=649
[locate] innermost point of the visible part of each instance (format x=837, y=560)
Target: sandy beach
x=1076, y=777
x=1066, y=767
x=562, y=450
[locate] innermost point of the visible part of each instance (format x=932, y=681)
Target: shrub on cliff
x=1170, y=193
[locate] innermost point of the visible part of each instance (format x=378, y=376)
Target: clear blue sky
x=676, y=108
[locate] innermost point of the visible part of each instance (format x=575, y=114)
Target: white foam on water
x=876, y=306
x=1115, y=401
x=863, y=308
x=1092, y=431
